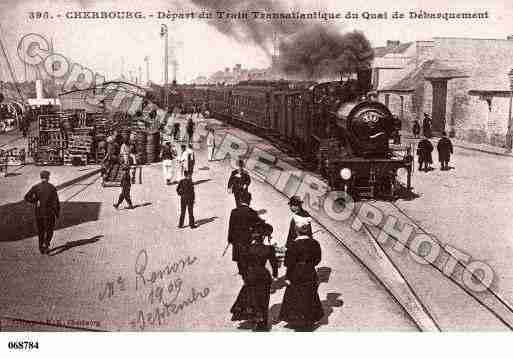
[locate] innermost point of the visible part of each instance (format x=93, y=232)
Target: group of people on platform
x=247, y=234
x=425, y=149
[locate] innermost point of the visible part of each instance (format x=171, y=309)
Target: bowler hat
x=295, y=201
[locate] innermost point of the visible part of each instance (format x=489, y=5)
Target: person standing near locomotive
x=445, y=150
x=426, y=126
x=424, y=150
x=301, y=304
x=299, y=215
x=242, y=219
x=239, y=182
x=47, y=209
x=252, y=303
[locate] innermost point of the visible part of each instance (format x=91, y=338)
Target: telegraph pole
x=509, y=135
x=147, y=60
x=165, y=35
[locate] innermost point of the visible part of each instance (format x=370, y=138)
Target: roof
x=438, y=70
x=492, y=93
x=385, y=50
x=430, y=69
x=410, y=81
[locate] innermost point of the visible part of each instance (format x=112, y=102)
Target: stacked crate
x=79, y=148
x=50, y=142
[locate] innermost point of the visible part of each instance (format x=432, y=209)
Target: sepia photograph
x=255, y=166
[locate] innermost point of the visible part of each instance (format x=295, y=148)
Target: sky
x=201, y=48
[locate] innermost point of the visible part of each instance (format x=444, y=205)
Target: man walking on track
x=185, y=190
x=126, y=185
x=47, y=209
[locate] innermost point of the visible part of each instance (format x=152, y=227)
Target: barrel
x=153, y=146
x=140, y=147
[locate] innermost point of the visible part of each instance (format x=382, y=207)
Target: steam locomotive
x=337, y=126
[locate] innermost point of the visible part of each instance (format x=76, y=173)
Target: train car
x=334, y=126
x=291, y=111
x=251, y=106
x=219, y=102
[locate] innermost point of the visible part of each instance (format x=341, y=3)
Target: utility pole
x=509, y=135
x=165, y=35
x=140, y=75
x=147, y=60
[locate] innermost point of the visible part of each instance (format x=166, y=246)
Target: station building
x=461, y=82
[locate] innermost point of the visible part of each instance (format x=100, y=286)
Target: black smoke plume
x=320, y=52
x=307, y=50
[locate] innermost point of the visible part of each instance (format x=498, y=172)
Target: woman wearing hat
x=298, y=215
x=301, y=305
x=252, y=303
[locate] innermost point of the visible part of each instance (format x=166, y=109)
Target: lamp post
x=509, y=141
x=164, y=34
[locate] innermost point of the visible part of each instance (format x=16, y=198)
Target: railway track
x=442, y=302
x=488, y=300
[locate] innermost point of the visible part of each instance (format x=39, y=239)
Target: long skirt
x=252, y=303
x=301, y=302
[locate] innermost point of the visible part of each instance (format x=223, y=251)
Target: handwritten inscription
x=165, y=290
x=142, y=278
x=110, y=287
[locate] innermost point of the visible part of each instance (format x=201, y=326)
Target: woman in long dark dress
x=252, y=303
x=301, y=303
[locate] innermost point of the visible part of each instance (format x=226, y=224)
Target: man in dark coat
x=298, y=214
x=445, y=150
x=424, y=150
x=239, y=182
x=185, y=190
x=126, y=186
x=242, y=221
x=47, y=209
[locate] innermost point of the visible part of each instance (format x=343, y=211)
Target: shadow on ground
x=17, y=220
x=73, y=244
x=203, y=221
